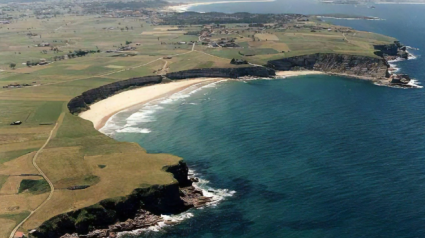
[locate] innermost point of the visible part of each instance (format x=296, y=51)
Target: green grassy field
x=77, y=154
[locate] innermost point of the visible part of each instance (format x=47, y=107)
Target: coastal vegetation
x=69, y=150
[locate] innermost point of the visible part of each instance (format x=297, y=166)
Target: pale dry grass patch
x=266, y=36
x=20, y=165
x=15, y=203
x=6, y=225
x=162, y=32
x=11, y=186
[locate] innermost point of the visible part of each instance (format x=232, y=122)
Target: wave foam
x=411, y=56
x=415, y=83
x=394, y=67
x=216, y=196
x=134, y=130
x=412, y=84
x=147, y=112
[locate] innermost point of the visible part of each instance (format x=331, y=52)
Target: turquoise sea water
x=307, y=157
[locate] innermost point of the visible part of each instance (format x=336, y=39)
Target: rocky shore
x=141, y=209
x=144, y=219
x=376, y=69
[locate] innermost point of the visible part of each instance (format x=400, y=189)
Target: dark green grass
x=3, y=179
x=34, y=186
x=48, y=112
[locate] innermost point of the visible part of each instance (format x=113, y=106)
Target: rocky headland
x=141, y=209
x=392, y=51
x=357, y=66
x=376, y=69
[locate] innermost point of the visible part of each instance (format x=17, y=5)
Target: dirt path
x=163, y=71
x=34, y=162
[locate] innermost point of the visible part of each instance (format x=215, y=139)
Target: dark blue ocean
x=307, y=157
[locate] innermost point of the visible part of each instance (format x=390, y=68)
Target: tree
x=12, y=65
x=29, y=63
x=128, y=42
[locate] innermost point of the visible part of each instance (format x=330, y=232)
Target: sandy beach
x=185, y=6
x=296, y=73
x=101, y=111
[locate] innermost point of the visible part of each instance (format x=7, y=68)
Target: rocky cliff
x=222, y=73
x=164, y=199
x=80, y=103
x=351, y=65
x=395, y=49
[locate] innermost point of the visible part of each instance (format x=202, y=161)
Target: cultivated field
x=76, y=154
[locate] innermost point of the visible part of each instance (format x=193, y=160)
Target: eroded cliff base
x=141, y=209
x=144, y=219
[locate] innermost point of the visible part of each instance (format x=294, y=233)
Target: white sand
x=101, y=111
x=296, y=73
x=185, y=6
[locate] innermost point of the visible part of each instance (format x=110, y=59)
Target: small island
x=61, y=177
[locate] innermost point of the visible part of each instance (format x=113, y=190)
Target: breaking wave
x=138, y=121
x=216, y=195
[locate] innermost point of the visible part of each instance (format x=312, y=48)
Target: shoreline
x=185, y=6
x=101, y=111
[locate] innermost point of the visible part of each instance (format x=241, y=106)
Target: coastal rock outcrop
x=139, y=209
x=223, y=73
x=351, y=65
x=392, y=51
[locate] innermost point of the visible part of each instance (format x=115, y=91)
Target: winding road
x=34, y=162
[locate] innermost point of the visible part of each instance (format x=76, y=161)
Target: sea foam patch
x=216, y=195
x=134, y=130
x=138, y=122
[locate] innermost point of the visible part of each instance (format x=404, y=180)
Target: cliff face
x=390, y=49
x=222, y=73
x=352, y=65
x=163, y=199
x=395, y=49
x=80, y=103
x=180, y=173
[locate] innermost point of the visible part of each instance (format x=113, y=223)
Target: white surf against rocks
x=216, y=195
